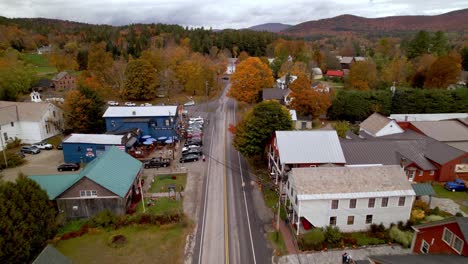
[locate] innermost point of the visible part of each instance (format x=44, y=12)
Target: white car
x=130, y=104
x=43, y=145
x=189, y=103
x=146, y=104
x=113, y=103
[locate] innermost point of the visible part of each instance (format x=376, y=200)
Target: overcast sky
x=219, y=14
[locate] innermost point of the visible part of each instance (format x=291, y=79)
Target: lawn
x=145, y=244
x=40, y=63
x=458, y=197
x=162, y=181
x=277, y=240
x=161, y=206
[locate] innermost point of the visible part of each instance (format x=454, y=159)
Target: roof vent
x=133, y=112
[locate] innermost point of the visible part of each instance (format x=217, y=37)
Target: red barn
x=446, y=236
x=335, y=73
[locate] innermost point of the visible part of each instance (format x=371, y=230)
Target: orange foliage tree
x=362, y=76
x=308, y=101
x=250, y=77
x=443, y=72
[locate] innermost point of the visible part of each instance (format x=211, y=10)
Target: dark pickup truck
x=156, y=163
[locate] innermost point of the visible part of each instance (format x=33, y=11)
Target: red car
x=195, y=135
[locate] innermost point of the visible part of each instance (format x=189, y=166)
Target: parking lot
x=45, y=162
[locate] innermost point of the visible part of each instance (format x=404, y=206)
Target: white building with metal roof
x=351, y=198
x=141, y=111
x=291, y=149
x=427, y=117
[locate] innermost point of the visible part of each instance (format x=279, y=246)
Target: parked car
x=146, y=104
x=113, y=103
x=68, y=167
x=60, y=146
x=157, y=163
x=129, y=104
x=193, y=141
x=194, y=135
x=189, y=158
x=30, y=150
x=192, y=150
x=43, y=145
x=185, y=148
x=456, y=185
x=189, y=103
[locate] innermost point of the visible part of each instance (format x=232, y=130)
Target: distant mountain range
x=270, y=27
x=456, y=21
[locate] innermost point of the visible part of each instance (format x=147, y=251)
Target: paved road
x=229, y=230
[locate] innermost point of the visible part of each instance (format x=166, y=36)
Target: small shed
x=423, y=189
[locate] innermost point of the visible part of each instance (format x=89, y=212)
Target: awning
x=423, y=189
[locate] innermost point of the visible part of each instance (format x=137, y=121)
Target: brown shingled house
x=64, y=81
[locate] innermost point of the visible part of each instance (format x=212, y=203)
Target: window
x=295, y=200
x=457, y=244
x=12, y=124
x=447, y=236
x=351, y=220
x=371, y=203
x=411, y=175
x=352, y=203
x=368, y=219
x=167, y=122
x=88, y=193
x=384, y=202
x=5, y=136
x=421, y=173
x=113, y=123
x=303, y=125
x=333, y=220
x=424, y=247
x=401, y=201
x=53, y=113
x=78, y=149
x=432, y=173
x=334, y=204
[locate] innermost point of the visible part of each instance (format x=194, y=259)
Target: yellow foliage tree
x=250, y=77
x=362, y=76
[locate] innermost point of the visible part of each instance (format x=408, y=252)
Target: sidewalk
x=288, y=238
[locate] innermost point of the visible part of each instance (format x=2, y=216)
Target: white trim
x=453, y=244
x=326, y=196
x=451, y=238
x=95, y=197
x=422, y=246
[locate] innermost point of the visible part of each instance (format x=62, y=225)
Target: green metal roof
x=114, y=170
x=51, y=255
x=55, y=185
x=423, y=189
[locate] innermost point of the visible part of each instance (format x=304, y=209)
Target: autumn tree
x=15, y=76
x=141, y=81
x=362, y=76
x=27, y=220
x=83, y=111
x=250, y=77
x=100, y=61
x=464, y=57
x=422, y=65
x=258, y=125
x=308, y=101
x=398, y=70
x=443, y=72
x=62, y=60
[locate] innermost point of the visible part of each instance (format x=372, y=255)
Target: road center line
x=226, y=222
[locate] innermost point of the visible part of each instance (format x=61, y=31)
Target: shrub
x=402, y=237
x=420, y=204
x=117, y=241
x=316, y=123
x=435, y=211
x=105, y=219
x=417, y=215
x=432, y=218
x=333, y=236
x=313, y=239
x=13, y=143
x=459, y=214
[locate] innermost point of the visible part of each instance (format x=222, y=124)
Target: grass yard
x=162, y=181
x=161, y=206
x=145, y=244
x=458, y=197
x=40, y=63
x=277, y=240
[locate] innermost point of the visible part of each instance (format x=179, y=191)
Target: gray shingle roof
x=22, y=111
x=374, y=123
x=346, y=182
x=441, y=152
x=274, y=93
x=419, y=259
x=463, y=224
x=446, y=130
x=59, y=76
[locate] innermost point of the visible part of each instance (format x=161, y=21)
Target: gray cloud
x=218, y=14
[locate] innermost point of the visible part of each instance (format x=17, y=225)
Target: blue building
x=79, y=148
x=157, y=121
